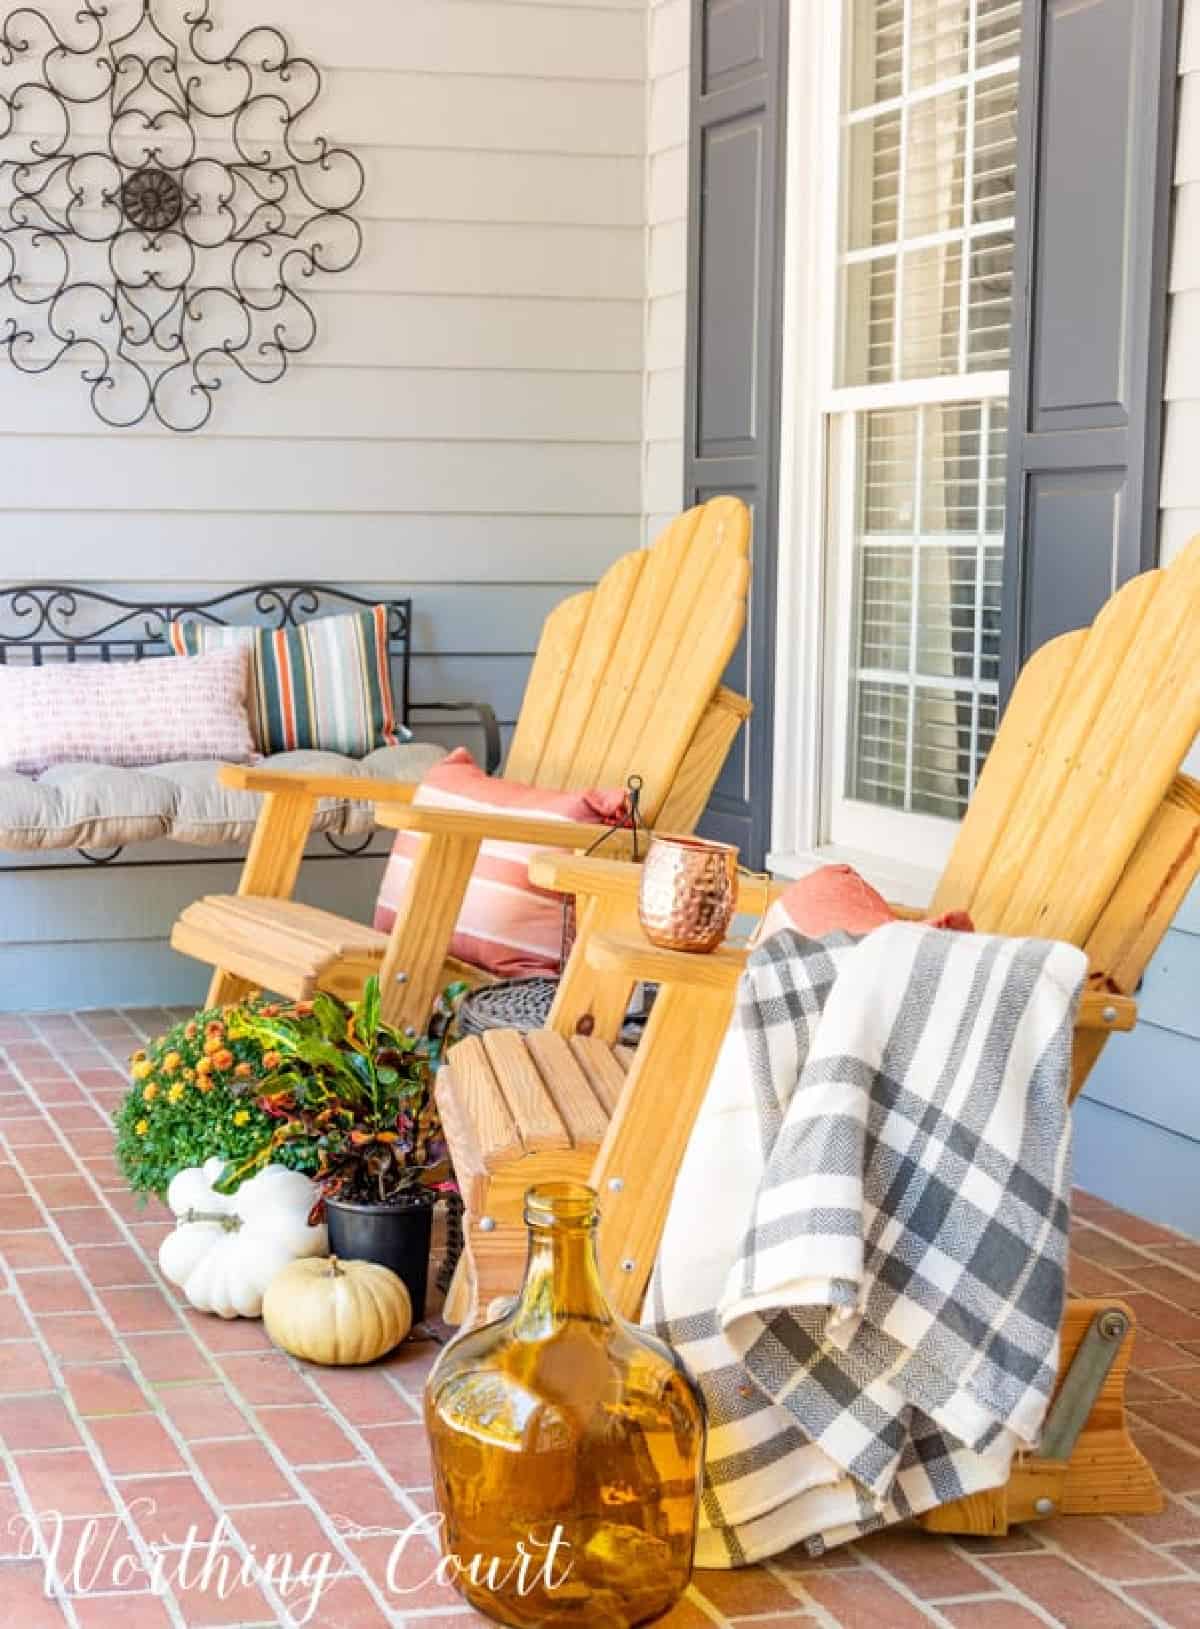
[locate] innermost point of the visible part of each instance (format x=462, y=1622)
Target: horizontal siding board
x=363, y=476
x=128, y=973
x=462, y=110
x=424, y=330
x=431, y=184
x=362, y=108
x=1154, y=1173
x=665, y=333
x=668, y=186
x=1189, y=39
x=470, y=332
x=1187, y=137
x=497, y=679
x=1168, y=997
x=73, y=903
x=1180, y=478
x=670, y=38
x=442, y=257
x=502, y=260
x=486, y=618
x=1143, y=1074
x=664, y=475
x=668, y=120
x=1185, y=241
x=664, y=405
x=370, y=404
x=1183, y=347
x=668, y=259
x=409, y=549
x=448, y=37
x=96, y=938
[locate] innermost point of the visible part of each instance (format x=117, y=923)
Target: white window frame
x=813, y=822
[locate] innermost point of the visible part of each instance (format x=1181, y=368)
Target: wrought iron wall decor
x=162, y=199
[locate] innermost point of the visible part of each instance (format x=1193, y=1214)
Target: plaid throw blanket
x=864, y=1260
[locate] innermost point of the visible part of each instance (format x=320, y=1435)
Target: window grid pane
x=928, y=556
x=926, y=294
x=929, y=183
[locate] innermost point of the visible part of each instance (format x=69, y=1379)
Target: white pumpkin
x=226, y=1248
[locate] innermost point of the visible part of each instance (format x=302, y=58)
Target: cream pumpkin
x=226, y=1248
x=337, y=1312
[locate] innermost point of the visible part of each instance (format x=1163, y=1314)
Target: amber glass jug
x=567, y=1445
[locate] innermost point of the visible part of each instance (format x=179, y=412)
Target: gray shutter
x=735, y=249
x=1095, y=148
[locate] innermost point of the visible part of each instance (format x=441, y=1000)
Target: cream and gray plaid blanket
x=864, y=1260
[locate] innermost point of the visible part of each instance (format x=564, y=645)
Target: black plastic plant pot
x=398, y=1236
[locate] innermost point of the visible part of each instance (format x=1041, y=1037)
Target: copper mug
x=688, y=893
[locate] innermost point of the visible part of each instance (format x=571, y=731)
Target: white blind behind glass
x=929, y=152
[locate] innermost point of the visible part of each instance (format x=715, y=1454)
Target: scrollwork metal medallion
x=163, y=199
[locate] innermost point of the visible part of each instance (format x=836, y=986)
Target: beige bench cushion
x=83, y=806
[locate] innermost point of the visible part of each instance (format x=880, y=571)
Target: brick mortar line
x=283, y=1615
x=123, y=1515
x=1120, y=1591
x=175, y=1611
x=306, y=1498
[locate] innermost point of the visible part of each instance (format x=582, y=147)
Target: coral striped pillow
x=325, y=686
x=507, y=926
x=125, y=714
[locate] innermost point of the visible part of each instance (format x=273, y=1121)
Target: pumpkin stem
x=231, y=1224
x=335, y=1268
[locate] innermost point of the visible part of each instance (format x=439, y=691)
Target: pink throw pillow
x=126, y=714
x=507, y=926
x=836, y=899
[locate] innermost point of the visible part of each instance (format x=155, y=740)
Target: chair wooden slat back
x=623, y=674
x=1097, y=727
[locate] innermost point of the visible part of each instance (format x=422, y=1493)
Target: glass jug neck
x=562, y=1276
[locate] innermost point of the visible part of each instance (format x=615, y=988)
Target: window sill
x=905, y=884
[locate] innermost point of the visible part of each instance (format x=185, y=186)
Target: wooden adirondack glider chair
x=1081, y=828
x=626, y=681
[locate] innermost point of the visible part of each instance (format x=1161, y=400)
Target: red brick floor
x=133, y=1417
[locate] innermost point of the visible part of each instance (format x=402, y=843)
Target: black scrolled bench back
x=41, y=623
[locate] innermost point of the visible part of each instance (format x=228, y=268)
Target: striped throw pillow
x=324, y=686
x=507, y=926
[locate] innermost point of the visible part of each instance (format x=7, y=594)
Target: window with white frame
x=916, y=410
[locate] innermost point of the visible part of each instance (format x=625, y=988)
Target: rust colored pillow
x=836, y=899
x=507, y=926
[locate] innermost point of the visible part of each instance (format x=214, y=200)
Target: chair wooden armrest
x=609, y=953
x=241, y=778
x=618, y=879
x=494, y=825
x=720, y=970
x=579, y=874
